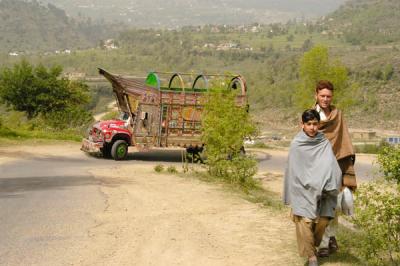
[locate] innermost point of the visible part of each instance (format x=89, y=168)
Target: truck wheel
x=119, y=150
x=106, y=151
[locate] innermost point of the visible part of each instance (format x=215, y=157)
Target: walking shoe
x=323, y=252
x=333, y=246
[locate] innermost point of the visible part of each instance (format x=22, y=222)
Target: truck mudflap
x=90, y=146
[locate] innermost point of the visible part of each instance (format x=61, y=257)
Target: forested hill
x=31, y=26
x=178, y=13
x=367, y=21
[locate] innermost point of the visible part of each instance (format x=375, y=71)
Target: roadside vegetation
x=376, y=237
x=39, y=103
x=225, y=125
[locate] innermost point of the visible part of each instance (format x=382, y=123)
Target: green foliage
x=16, y=125
x=369, y=147
x=32, y=26
x=271, y=70
x=389, y=161
x=159, y=168
x=378, y=212
x=172, y=169
x=71, y=117
x=388, y=72
x=110, y=115
x=224, y=127
x=41, y=91
x=377, y=216
x=316, y=65
x=367, y=21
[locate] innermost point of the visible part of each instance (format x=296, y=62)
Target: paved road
x=275, y=161
x=48, y=199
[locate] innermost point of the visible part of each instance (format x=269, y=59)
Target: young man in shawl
x=335, y=129
x=311, y=184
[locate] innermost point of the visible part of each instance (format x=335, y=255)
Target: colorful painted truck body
x=153, y=115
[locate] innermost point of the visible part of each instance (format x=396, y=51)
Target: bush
x=224, y=127
x=172, y=169
x=377, y=214
x=69, y=118
x=159, y=168
x=389, y=161
x=238, y=170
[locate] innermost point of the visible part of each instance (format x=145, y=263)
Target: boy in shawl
x=335, y=129
x=311, y=184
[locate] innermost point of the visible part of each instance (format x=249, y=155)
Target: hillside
x=176, y=13
x=366, y=21
x=31, y=26
x=267, y=55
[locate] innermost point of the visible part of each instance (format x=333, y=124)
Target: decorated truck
x=157, y=112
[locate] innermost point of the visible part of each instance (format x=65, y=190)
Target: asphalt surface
x=47, y=203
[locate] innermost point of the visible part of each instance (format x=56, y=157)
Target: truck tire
x=119, y=150
x=106, y=151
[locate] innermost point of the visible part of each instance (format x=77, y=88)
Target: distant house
x=393, y=140
x=110, y=44
x=209, y=45
x=227, y=46
x=75, y=75
x=364, y=135
x=255, y=29
x=13, y=54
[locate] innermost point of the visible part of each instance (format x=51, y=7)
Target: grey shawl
x=312, y=178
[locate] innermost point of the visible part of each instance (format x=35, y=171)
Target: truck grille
x=96, y=135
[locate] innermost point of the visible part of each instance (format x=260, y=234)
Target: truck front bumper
x=91, y=146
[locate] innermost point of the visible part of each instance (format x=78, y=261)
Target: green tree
x=40, y=90
x=316, y=65
x=224, y=127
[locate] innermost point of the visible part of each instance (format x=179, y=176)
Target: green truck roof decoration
x=153, y=80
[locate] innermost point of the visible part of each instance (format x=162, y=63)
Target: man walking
x=335, y=129
x=311, y=184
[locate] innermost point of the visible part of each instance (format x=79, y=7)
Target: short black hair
x=310, y=114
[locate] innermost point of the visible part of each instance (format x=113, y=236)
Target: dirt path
x=161, y=219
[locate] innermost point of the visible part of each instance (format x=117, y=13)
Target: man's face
x=311, y=127
x=324, y=98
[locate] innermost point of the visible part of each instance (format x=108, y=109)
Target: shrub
x=224, y=127
x=159, y=168
x=389, y=161
x=172, y=169
x=377, y=214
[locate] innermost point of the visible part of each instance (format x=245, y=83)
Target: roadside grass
x=16, y=135
x=251, y=191
x=368, y=148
